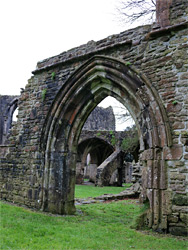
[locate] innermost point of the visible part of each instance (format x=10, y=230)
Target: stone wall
x=100, y=145
x=101, y=119
x=107, y=168
x=117, y=139
x=145, y=69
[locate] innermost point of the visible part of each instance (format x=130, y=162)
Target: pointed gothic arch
x=96, y=79
x=8, y=119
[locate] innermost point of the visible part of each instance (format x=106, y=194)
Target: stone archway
x=98, y=78
x=98, y=149
x=9, y=105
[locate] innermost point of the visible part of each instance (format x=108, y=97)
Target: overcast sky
x=32, y=30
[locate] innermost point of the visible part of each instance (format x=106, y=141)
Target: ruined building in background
x=8, y=105
x=101, y=119
x=95, y=143
x=103, y=156
x=145, y=68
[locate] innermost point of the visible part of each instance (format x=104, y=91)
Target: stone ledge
x=167, y=30
x=53, y=62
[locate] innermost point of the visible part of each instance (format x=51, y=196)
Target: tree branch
x=130, y=11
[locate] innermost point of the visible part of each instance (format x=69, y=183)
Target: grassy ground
x=84, y=191
x=96, y=226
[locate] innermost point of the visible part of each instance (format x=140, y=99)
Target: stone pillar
x=92, y=172
x=59, y=183
x=163, y=12
x=79, y=173
x=154, y=184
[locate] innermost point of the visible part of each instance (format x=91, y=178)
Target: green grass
x=84, y=191
x=96, y=226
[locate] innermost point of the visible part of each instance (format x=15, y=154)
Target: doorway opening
x=109, y=134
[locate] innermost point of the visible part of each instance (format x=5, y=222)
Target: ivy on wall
x=130, y=142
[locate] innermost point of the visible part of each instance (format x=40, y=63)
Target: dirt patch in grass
x=132, y=201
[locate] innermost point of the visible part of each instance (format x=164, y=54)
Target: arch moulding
x=96, y=79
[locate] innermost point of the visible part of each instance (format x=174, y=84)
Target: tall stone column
x=163, y=12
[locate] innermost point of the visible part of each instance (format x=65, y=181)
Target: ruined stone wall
x=100, y=145
x=162, y=56
x=113, y=138
x=178, y=12
x=7, y=106
x=117, y=139
x=100, y=119
x=107, y=168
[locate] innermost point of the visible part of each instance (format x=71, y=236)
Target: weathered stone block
x=173, y=153
x=180, y=200
x=186, y=156
x=147, y=155
x=156, y=173
x=149, y=174
x=184, y=218
x=173, y=218
x=178, y=230
x=184, y=76
x=174, y=108
x=166, y=202
x=18, y=199
x=179, y=163
x=144, y=180
x=176, y=176
x=178, y=125
x=156, y=204
x=163, y=175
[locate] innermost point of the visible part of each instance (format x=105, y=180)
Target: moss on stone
x=129, y=142
x=180, y=200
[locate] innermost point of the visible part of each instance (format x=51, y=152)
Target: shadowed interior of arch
x=101, y=136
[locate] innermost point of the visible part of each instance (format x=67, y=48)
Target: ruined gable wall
x=162, y=59
x=100, y=119
x=24, y=159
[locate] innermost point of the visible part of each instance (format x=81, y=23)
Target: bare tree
x=123, y=116
x=131, y=11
